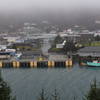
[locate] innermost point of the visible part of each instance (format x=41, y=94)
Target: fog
x=37, y=6
x=70, y=11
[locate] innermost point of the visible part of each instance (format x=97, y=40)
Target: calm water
x=26, y=84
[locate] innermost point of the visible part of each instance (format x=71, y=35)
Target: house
x=61, y=45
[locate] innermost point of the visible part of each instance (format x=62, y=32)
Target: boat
x=93, y=64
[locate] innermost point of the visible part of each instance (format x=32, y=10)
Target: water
x=26, y=84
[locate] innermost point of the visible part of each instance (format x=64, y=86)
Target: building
x=61, y=45
x=31, y=54
x=5, y=55
x=3, y=47
x=22, y=46
x=89, y=51
x=11, y=39
x=88, y=54
x=86, y=37
x=3, y=41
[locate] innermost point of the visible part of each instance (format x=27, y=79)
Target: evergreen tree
x=57, y=40
x=55, y=96
x=42, y=95
x=5, y=91
x=94, y=92
x=97, y=38
x=69, y=47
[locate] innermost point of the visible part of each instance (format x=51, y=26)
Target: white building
x=61, y=45
x=12, y=39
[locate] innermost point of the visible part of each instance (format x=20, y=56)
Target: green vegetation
x=27, y=46
x=57, y=50
x=57, y=40
x=95, y=43
x=54, y=96
x=5, y=91
x=94, y=92
x=70, y=47
x=97, y=38
x=42, y=95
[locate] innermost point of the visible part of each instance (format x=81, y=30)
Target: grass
x=96, y=43
x=55, y=50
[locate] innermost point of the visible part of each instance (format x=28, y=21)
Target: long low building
x=5, y=55
x=92, y=51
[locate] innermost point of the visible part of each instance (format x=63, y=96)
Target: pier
x=36, y=64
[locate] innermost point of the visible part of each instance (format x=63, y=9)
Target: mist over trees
x=68, y=20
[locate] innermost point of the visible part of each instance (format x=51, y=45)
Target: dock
x=36, y=64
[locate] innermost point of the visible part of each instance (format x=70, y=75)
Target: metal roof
x=89, y=51
x=92, y=49
x=89, y=54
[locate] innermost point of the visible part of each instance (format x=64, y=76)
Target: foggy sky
x=37, y=6
x=62, y=11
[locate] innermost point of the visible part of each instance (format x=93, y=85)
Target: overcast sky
x=66, y=10
x=48, y=5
